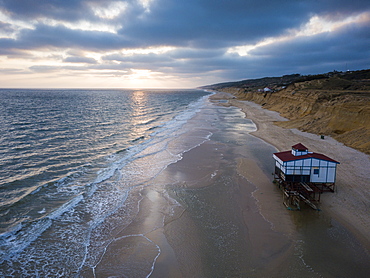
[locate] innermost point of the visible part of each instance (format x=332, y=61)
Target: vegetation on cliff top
x=335, y=103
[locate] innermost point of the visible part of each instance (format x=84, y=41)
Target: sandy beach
x=216, y=213
x=350, y=203
x=217, y=230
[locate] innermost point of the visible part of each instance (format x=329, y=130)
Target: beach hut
x=303, y=173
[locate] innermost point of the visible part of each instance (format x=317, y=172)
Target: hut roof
x=288, y=156
x=299, y=147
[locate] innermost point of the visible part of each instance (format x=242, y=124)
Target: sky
x=176, y=43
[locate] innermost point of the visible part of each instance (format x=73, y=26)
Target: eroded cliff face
x=335, y=107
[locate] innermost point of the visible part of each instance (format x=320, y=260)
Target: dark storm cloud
x=213, y=23
x=219, y=23
x=64, y=10
x=347, y=47
x=63, y=37
x=33, y=9
x=306, y=55
x=193, y=9
x=343, y=45
x=190, y=23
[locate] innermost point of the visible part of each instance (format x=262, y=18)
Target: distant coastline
x=335, y=104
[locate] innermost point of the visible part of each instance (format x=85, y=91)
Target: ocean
x=68, y=159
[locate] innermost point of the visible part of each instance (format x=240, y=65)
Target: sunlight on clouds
x=46, y=60
x=62, y=78
x=90, y=26
x=109, y=11
x=82, y=25
x=146, y=4
x=13, y=26
x=318, y=25
x=148, y=50
x=243, y=50
x=23, y=64
x=94, y=55
x=98, y=73
x=118, y=56
x=315, y=26
x=136, y=74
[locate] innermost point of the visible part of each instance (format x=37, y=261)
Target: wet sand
x=200, y=217
x=217, y=230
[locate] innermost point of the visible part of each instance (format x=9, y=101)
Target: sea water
x=68, y=160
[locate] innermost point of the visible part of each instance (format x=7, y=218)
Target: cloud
x=71, y=10
x=211, y=24
x=190, y=39
x=6, y=28
x=183, y=23
x=44, y=68
x=147, y=59
x=62, y=37
x=214, y=23
x=351, y=42
x=11, y=71
x=76, y=59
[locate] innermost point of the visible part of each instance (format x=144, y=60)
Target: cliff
x=335, y=104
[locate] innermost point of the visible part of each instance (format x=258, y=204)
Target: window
x=316, y=171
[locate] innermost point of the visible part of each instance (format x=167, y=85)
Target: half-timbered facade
x=303, y=173
x=300, y=165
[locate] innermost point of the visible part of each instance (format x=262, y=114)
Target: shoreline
x=218, y=200
x=217, y=227
x=216, y=213
x=349, y=203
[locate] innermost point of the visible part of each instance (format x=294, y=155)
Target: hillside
x=335, y=104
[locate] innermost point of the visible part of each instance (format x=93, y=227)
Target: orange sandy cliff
x=335, y=104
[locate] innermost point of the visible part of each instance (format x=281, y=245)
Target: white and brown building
x=305, y=172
